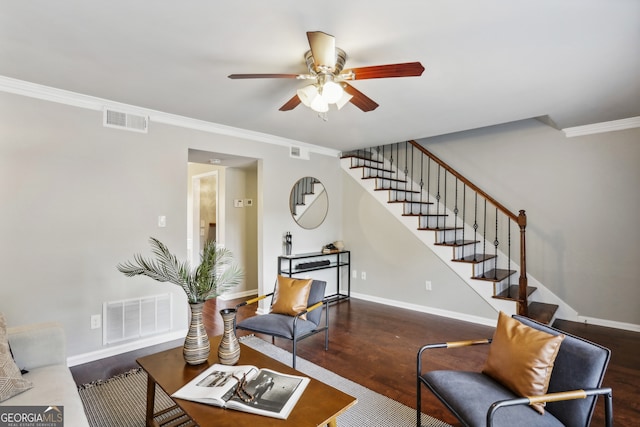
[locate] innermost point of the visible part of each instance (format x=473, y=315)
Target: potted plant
x=215, y=274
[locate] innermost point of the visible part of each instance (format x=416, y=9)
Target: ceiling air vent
x=126, y=121
x=298, y=152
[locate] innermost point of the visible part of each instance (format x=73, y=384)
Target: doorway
x=233, y=179
x=206, y=225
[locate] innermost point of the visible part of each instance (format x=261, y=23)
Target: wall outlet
x=363, y=275
x=427, y=285
x=96, y=321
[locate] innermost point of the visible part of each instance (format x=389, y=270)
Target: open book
x=246, y=388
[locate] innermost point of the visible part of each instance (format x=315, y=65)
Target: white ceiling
x=487, y=62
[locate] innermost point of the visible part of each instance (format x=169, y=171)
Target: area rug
x=120, y=401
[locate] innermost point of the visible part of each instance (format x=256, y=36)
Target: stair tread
x=410, y=202
x=511, y=293
x=495, y=275
x=542, y=312
x=386, y=179
x=425, y=215
x=397, y=189
x=475, y=258
x=456, y=243
x=373, y=168
x=438, y=229
x=355, y=156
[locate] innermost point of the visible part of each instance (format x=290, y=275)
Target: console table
x=288, y=265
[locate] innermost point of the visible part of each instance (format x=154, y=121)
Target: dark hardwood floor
x=375, y=345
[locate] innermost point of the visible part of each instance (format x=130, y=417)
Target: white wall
x=78, y=198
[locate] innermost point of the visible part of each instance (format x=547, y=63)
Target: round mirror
x=308, y=202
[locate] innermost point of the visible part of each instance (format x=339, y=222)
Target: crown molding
x=60, y=96
x=630, y=123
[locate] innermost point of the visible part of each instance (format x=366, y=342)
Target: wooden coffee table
x=319, y=405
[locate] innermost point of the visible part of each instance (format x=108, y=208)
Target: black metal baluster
x=438, y=199
x=421, y=178
x=428, y=183
x=484, y=236
x=464, y=220
x=455, y=213
x=509, y=245
x=475, y=228
x=406, y=167
x=495, y=244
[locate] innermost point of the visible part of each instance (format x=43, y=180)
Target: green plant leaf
x=215, y=274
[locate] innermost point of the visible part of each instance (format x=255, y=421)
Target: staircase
x=481, y=240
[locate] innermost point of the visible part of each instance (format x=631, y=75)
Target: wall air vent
x=127, y=121
x=136, y=318
x=298, y=152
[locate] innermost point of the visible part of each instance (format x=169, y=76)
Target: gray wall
x=78, y=198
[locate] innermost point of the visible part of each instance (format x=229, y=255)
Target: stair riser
x=450, y=235
x=432, y=222
x=375, y=173
x=467, y=250
x=417, y=209
x=482, y=267
x=389, y=184
x=404, y=196
x=363, y=162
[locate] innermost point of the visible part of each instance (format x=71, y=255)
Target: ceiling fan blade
x=408, y=69
x=323, y=48
x=263, y=76
x=359, y=99
x=291, y=104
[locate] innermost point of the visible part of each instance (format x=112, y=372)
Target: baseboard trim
x=161, y=339
x=483, y=321
x=609, y=323
x=79, y=359
x=428, y=310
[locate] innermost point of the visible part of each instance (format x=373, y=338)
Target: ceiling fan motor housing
x=335, y=68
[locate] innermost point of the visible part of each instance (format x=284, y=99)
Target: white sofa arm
x=37, y=345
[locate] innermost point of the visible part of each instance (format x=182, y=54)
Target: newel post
x=523, y=305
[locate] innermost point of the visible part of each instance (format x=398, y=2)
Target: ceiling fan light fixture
x=332, y=92
x=307, y=94
x=319, y=104
x=310, y=97
x=344, y=100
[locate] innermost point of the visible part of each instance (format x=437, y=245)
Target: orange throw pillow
x=521, y=358
x=291, y=296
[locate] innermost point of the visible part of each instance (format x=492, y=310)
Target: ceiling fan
x=329, y=84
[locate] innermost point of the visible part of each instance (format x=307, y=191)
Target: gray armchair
x=294, y=328
x=477, y=399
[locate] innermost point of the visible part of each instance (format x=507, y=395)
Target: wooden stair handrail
x=520, y=219
x=468, y=183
